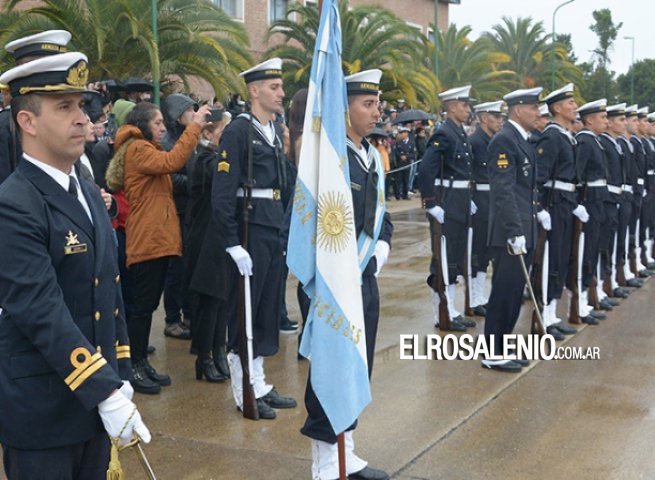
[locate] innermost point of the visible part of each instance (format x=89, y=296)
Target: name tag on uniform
x=73, y=245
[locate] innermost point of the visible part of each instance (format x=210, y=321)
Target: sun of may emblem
x=334, y=222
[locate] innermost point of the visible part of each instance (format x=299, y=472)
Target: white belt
x=269, y=193
x=614, y=189
x=597, y=183
x=558, y=185
x=482, y=187
x=651, y=172
x=453, y=183
x=640, y=181
x=627, y=188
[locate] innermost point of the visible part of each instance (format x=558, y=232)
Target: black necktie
x=72, y=186
x=370, y=200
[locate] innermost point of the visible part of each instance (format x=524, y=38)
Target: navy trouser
x=559, y=247
x=317, y=425
x=83, y=461
x=506, y=295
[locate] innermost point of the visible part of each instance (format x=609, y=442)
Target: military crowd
x=106, y=204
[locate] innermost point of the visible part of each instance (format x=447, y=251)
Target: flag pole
x=341, y=444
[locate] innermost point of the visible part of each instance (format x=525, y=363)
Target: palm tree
x=372, y=38
x=195, y=38
x=462, y=62
x=529, y=53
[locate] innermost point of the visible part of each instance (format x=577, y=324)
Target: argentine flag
x=322, y=251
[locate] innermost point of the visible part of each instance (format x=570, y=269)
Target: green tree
x=607, y=32
x=195, y=38
x=372, y=37
x=644, y=71
x=599, y=79
x=529, y=53
x=462, y=62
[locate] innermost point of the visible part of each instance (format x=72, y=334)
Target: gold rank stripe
x=84, y=371
x=122, y=351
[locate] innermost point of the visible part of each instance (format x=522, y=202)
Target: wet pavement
x=590, y=419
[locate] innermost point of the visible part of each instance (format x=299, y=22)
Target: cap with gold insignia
x=489, y=107
x=364, y=83
x=543, y=110
x=50, y=42
x=616, y=110
x=632, y=110
x=593, y=107
x=523, y=96
x=271, y=68
x=642, y=112
x=563, y=93
x=651, y=117
x=60, y=73
x=463, y=94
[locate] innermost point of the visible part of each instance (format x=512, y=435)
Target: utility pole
x=155, y=66
x=435, y=34
x=632, y=68
x=552, y=64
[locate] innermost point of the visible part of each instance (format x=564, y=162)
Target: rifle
x=575, y=274
x=439, y=284
x=593, y=293
x=468, y=274
x=244, y=316
x=537, y=283
x=610, y=265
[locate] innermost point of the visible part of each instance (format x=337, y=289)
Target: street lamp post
x=632, y=68
x=435, y=34
x=155, y=68
x=552, y=66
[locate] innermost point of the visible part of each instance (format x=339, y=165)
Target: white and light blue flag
x=322, y=251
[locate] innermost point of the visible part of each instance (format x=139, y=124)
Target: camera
x=215, y=115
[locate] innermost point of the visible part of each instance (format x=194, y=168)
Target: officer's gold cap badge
x=78, y=74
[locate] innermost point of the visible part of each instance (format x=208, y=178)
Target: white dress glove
x=474, y=208
x=517, y=244
x=544, y=218
x=120, y=414
x=645, y=193
x=437, y=212
x=381, y=253
x=242, y=259
x=581, y=212
x=127, y=389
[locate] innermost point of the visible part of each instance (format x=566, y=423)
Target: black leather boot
x=205, y=367
x=220, y=360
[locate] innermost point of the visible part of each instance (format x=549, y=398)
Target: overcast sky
x=638, y=17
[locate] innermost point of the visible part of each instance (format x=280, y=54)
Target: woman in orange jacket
x=152, y=229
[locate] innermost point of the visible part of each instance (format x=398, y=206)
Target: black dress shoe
x=613, y=301
x=522, y=362
x=151, y=349
x=205, y=367
x=554, y=331
x=275, y=400
x=480, y=311
x=177, y=330
x=605, y=305
x=454, y=327
x=161, y=378
x=467, y=322
x=589, y=320
x=141, y=382
x=368, y=473
x=264, y=411
x=644, y=273
x=502, y=366
x=634, y=282
x=621, y=292
x=564, y=329
x=598, y=315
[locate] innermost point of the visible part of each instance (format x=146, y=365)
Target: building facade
x=258, y=15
